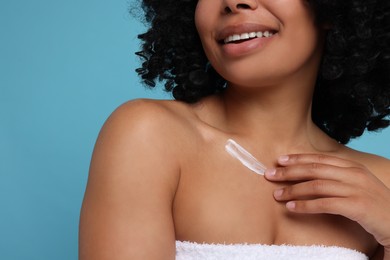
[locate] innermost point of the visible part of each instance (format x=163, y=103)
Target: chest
x=221, y=201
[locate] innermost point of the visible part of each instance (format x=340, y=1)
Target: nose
x=235, y=6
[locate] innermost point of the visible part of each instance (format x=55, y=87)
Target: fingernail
x=278, y=193
x=290, y=205
x=283, y=158
x=270, y=172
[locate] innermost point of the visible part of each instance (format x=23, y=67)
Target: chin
x=256, y=78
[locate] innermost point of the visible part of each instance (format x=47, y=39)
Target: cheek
x=205, y=21
x=201, y=18
x=301, y=36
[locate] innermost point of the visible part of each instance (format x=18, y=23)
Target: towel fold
x=192, y=251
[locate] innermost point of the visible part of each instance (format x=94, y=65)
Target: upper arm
x=380, y=167
x=127, y=208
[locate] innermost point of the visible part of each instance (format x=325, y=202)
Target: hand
x=332, y=185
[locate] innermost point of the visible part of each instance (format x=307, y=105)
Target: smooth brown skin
x=159, y=172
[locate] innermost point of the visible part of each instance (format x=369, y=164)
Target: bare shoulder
x=146, y=130
x=378, y=165
x=145, y=113
x=134, y=173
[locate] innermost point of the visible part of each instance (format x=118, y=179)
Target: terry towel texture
x=195, y=251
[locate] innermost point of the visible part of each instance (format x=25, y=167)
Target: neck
x=277, y=116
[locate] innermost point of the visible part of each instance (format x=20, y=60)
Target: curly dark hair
x=352, y=91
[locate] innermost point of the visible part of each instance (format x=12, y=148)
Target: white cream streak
x=238, y=152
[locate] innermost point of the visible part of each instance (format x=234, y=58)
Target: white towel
x=195, y=251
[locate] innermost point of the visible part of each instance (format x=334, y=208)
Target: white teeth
x=236, y=37
x=244, y=36
x=252, y=35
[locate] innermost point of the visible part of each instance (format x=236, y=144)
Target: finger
x=335, y=206
x=314, y=189
x=312, y=171
x=294, y=159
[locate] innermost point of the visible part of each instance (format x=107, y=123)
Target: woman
x=287, y=81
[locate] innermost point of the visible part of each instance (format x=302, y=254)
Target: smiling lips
x=243, y=39
x=246, y=31
x=245, y=36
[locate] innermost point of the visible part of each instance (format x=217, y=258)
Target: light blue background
x=64, y=67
